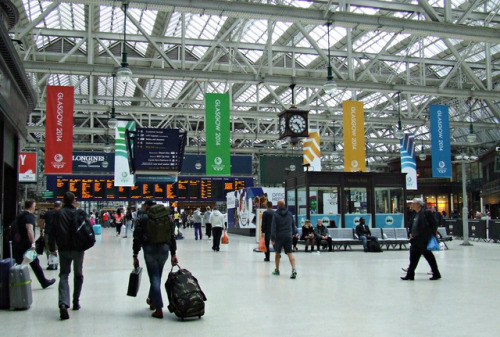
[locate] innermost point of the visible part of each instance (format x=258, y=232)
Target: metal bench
x=443, y=236
x=343, y=237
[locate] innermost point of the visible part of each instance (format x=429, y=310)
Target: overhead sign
x=354, y=136
x=59, y=130
x=218, y=145
x=440, y=141
x=409, y=160
x=27, y=167
x=93, y=162
x=158, y=151
x=122, y=166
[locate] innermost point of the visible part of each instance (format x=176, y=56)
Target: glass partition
x=356, y=206
x=389, y=206
x=324, y=206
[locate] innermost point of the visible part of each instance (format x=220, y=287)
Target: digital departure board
x=160, y=191
x=99, y=188
x=110, y=189
x=187, y=188
x=87, y=192
x=194, y=188
x=182, y=189
x=135, y=192
x=171, y=191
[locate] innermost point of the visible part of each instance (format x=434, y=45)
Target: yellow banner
x=354, y=136
x=311, y=150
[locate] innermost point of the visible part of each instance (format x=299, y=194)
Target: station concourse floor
x=346, y=293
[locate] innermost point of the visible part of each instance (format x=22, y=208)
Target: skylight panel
x=279, y=29
x=255, y=31
x=147, y=19
x=305, y=59
x=253, y=55
x=174, y=25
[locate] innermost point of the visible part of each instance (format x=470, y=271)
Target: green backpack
x=160, y=228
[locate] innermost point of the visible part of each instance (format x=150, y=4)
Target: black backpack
x=185, y=297
x=83, y=235
x=374, y=246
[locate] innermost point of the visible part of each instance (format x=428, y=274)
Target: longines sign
x=93, y=162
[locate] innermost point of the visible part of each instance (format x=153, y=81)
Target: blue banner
x=408, y=160
x=440, y=141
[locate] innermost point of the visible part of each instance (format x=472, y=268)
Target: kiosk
x=340, y=199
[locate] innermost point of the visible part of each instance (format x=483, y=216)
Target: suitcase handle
x=175, y=265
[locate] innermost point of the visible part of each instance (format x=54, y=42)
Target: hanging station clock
x=293, y=124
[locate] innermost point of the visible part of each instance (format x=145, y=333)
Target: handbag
x=40, y=245
x=134, y=282
x=433, y=244
x=262, y=245
x=225, y=239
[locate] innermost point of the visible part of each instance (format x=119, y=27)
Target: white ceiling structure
x=425, y=51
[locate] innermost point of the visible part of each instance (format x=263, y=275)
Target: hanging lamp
x=471, y=137
x=422, y=156
x=124, y=74
x=112, y=121
x=399, y=132
x=330, y=85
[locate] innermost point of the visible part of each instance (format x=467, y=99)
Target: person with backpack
x=154, y=233
x=63, y=232
x=217, y=221
x=23, y=232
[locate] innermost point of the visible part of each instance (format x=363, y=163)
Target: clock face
x=282, y=125
x=297, y=124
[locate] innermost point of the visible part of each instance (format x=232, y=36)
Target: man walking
x=49, y=221
x=267, y=221
x=208, y=224
x=156, y=248
x=197, y=219
x=62, y=234
x=423, y=228
x=282, y=230
x=24, y=239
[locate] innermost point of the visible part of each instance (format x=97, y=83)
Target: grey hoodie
x=283, y=225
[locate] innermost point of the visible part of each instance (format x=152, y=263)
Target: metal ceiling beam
x=304, y=80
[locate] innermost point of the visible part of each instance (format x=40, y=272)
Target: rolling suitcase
x=20, y=295
x=185, y=297
x=97, y=229
x=5, y=265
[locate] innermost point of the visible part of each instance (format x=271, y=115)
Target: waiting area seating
x=387, y=237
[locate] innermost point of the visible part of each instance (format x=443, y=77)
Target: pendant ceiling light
x=124, y=74
x=112, y=120
x=422, y=156
x=330, y=85
x=471, y=137
x=399, y=132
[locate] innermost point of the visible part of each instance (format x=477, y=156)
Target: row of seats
x=388, y=237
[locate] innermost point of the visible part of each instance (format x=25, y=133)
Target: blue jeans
x=128, y=227
x=197, y=229
x=364, y=239
x=65, y=259
x=155, y=255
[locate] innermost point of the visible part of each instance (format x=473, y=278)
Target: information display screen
x=87, y=192
x=186, y=188
x=110, y=189
x=99, y=188
x=194, y=189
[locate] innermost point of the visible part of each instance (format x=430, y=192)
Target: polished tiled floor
x=335, y=294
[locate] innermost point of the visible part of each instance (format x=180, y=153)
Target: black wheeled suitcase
x=185, y=297
x=5, y=265
x=20, y=296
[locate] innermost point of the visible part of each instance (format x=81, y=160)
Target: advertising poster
x=218, y=146
x=354, y=136
x=122, y=166
x=409, y=161
x=440, y=141
x=27, y=167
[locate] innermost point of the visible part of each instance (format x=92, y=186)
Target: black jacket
x=62, y=228
x=363, y=230
x=267, y=221
x=426, y=228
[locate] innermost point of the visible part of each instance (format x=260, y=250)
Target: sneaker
x=276, y=272
x=294, y=274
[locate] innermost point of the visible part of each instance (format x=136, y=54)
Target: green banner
x=218, y=146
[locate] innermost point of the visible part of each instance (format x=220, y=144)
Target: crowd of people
x=278, y=229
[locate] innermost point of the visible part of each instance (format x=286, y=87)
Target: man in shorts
x=282, y=230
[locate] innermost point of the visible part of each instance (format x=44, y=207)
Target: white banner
x=122, y=167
